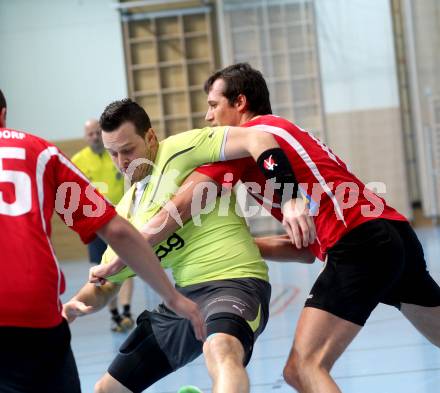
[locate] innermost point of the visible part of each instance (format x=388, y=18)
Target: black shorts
x=96, y=248
x=163, y=342
x=380, y=261
x=37, y=360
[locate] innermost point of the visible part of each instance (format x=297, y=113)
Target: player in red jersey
x=35, y=179
x=372, y=254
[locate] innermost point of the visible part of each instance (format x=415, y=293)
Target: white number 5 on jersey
x=21, y=181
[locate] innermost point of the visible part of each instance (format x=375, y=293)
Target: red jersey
x=338, y=200
x=35, y=179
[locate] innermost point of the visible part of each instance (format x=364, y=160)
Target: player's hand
x=298, y=223
x=186, y=308
x=74, y=309
x=96, y=275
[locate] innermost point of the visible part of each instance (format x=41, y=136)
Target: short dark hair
x=241, y=78
x=119, y=112
x=2, y=100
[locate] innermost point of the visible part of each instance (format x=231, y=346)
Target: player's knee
x=291, y=372
x=300, y=366
x=230, y=335
x=223, y=347
x=291, y=377
x=99, y=387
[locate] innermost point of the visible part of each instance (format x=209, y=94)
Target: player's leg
x=224, y=358
x=64, y=378
x=425, y=319
x=37, y=360
x=237, y=313
x=116, y=319
x=125, y=296
x=160, y=344
x=96, y=249
x=417, y=293
x=108, y=384
x=361, y=268
x=139, y=363
x=320, y=339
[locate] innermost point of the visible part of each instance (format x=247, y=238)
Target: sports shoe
x=116, y=324
x=189, y=389
x=127, y=321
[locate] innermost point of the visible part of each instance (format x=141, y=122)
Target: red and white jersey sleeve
x=228, y=173
x=338, y=200
x=35, y=179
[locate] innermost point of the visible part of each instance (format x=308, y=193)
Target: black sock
x=115, y=314
x=126, y=310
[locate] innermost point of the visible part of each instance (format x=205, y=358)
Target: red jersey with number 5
x=338, y=200
x=35, y=179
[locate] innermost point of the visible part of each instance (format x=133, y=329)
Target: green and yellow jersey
x=102, y=173
x=221, y=247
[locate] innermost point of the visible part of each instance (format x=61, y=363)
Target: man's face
x=220, y=111
x=92, y=135
x=125, y=146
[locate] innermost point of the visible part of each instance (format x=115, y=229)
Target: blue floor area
x=388, y=356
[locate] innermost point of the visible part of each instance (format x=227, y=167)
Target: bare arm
x=89, y=299
x=243, y=142
x=280, y=249
x=189, y=201
x=173, y=216
x=128, y=243
x=131, y=247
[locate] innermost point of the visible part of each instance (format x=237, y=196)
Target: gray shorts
x=224, y=304
x=162, y=341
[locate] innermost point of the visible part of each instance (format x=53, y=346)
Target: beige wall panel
x=174, y=126
x=167, y=26
x=66, y=242
x=170, y=50
x=146, y=80
x=151, y=105
x=142, y=28
x=198, y=73
x=70, y=147
x=175, y=104
x=162, y=5
x=194, y=23
x=199, y=122
x=198, y=101
x=371, y=143
x=172, y=77
x=143, y=53
x=158, y=129
x=197, y=48
x=171, y=57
